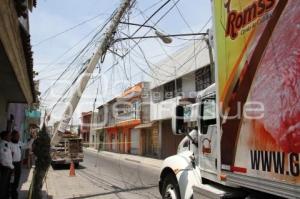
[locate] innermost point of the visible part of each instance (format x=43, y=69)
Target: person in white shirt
x=6, y=164
x=16, y=147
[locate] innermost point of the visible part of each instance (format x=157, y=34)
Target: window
x=136, y=108
x=203, y=78
x=157, y=94
x=101, y=115
x=208, y=113
x=209, y=109
x=169, y=89
x=186, y=144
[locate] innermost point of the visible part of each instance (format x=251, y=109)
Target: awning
x=146, y=125
x=98, y=128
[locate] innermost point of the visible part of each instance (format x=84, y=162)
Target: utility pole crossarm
x=103, y=47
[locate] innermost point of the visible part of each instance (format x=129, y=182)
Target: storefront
x=100, y=143
x=129, y=137
x=170, y=142
x=111, y=134
x=135, y=141
x=149, y=139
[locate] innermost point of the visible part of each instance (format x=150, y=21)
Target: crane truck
x=247, y=140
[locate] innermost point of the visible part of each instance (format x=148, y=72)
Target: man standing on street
x=16, y=147
x=6, y=164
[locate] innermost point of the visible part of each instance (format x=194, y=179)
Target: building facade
x=124, y=126
x=85, y=127
x=139, y=121
x=93, y=137
x=125, y=113
x=176, y=80
x=18, y=92
x=101, y=121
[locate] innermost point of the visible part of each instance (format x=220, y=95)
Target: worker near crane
x=16, y=147
x=6, y=164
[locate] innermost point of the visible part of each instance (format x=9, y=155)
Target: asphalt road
x=121, y=178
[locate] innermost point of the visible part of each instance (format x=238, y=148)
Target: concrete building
x=124, y=126
x=17, y=88
x=139, y=120
x=94, y=137
x=85, y=127
x=176, y=79
x=125, y=113
x=100, y=122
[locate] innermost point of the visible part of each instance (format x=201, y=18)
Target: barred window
x=169, y=89
x=203, y=78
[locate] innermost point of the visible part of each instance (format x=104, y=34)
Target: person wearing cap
x=6, y=164
x=16, y=147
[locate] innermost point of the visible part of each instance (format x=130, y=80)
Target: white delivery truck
x=247, y=141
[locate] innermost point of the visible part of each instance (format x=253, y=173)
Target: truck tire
x=170, y=189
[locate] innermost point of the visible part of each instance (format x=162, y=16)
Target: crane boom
x=101, y=50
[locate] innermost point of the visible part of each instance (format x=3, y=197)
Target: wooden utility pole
x=106, y=41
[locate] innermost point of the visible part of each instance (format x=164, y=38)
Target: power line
x=85, y=47
x=155, y=14
x=183, y=18
x=68, y=50
x=161, y=7
x=147, y=8
x=67, y=30
x=97, y=77
x=162, y=47
x=83, y=38
x=154, y=23
x=66, y=91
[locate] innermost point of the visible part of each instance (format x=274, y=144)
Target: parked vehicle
x=67, y=150
x=247, y=144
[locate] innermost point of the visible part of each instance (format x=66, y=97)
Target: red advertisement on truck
x=258, y=86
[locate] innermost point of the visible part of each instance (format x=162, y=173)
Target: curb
x=153, y=165
x=136, y=161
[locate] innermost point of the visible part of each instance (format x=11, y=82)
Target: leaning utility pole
x=106, y=41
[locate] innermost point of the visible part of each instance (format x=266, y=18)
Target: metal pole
x=211, y=60
x=106, y=41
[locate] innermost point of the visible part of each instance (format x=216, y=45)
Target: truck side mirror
x=178, y=121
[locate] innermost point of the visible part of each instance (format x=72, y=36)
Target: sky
x=61, y=28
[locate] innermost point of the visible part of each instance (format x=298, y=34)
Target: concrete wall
x=93, y=136
x=3, y=113
x=169, y=143
x=18, y=111
x=12, y=43
x=145, y=103
x=135, y=141
x=188, y=85
x=190, y=58
x=164, y=110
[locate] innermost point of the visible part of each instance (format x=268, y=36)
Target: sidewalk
x=25, y=181
x=81, y=185
x=58, y=185
x=146, y=161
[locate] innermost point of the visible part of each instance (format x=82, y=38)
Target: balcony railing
x=164, y=109
x=131, y=115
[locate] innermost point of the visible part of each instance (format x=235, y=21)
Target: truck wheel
x=170, y=188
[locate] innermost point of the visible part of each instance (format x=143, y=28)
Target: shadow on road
x=66, y=167
x=24, y=194
x=118, y=190
x=24, y=175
